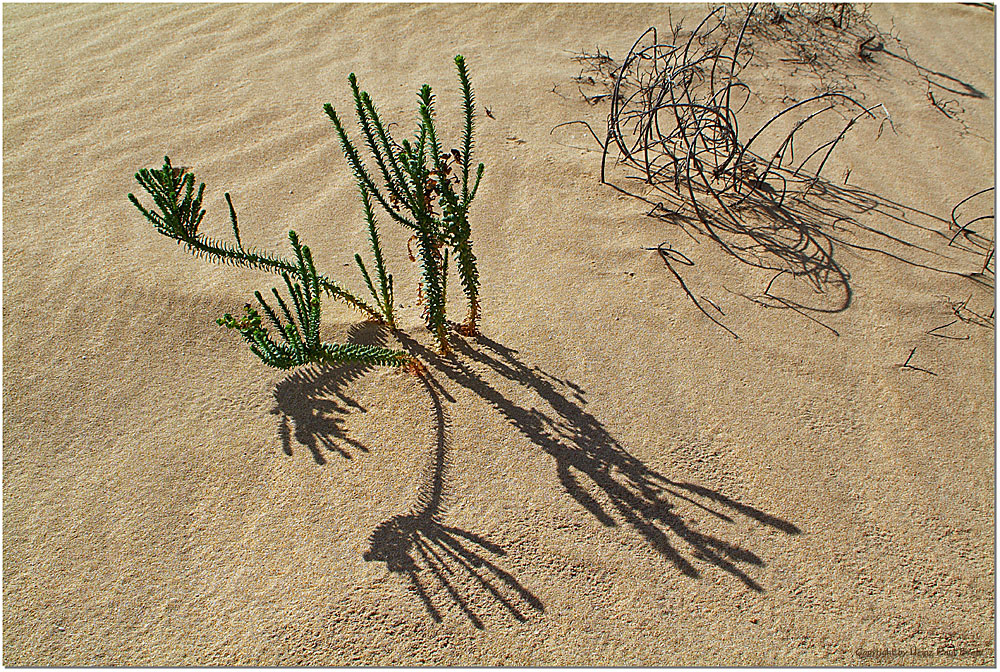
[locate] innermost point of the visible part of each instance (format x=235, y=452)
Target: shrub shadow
x=442, y=563
x=311, y=403
x=312, y=406
x=798, y=239
x=419, y=546
x=588, y=459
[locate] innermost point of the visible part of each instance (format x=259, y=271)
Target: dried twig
x=907, y=365
x=667, y=252
x=673, y=130
x=933, y=331
x=674, y=120
x=977, y=240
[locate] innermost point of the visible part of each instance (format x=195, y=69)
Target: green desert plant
x=180, y=213
x=383, y=298
x=301, y=342
x=413, y=174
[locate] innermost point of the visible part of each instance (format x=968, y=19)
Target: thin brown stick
x=907, y=365
x=665, y=253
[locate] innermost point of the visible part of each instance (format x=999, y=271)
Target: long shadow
x=589, y=460
x=418, y=543
x=941, y=80
x=312, y=406
x=801, y=233
x=799, y=229
x=442, y=563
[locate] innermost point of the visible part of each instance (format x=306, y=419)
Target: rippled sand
x=605, y=477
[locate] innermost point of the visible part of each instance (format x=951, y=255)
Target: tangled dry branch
x=674, y=124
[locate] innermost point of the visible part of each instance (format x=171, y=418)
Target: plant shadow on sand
x=313, y=401
x=418, y=542
x=587, y=458
x=442, y=562
x=312, y=405
x=798, y=243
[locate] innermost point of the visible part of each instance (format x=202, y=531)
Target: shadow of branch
x=312, y=405
x=600, y=474
x=421, y=547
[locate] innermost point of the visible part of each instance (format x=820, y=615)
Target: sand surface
x=604, y=477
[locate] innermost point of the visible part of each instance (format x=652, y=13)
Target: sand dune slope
x=604, y=477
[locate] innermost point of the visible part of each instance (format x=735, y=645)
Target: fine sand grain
x=605, y=477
